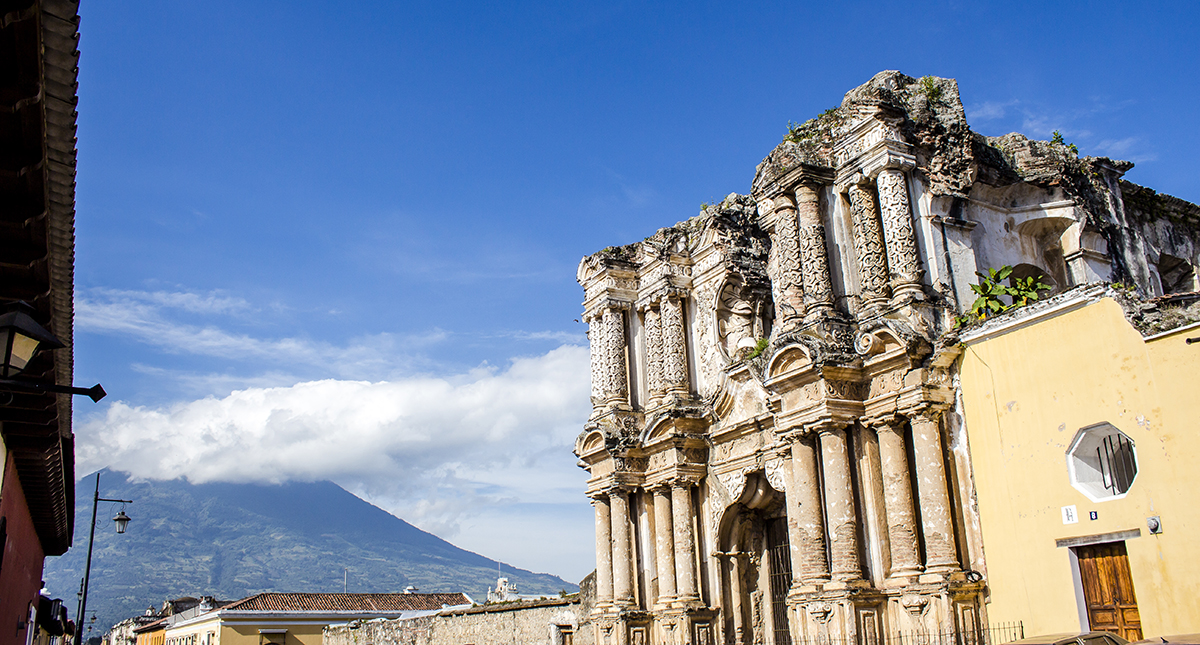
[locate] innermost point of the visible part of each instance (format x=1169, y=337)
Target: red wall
x=21, y=572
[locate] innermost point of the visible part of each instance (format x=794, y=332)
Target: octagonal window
x=1102, y=462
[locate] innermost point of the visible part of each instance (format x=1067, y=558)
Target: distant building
x=38, y=68
x=506, y=591
x=556, y=620
x=139, y=630
x=298, y=618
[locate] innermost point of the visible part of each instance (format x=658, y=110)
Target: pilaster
x=898, y=501
x=937, y=528
x=814, y=260
x=839, y=504
x=898, y=232
x=868, y=246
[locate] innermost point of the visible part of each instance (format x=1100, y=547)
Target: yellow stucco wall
x=246, y=633
x=156, y=637
x=1026, y=394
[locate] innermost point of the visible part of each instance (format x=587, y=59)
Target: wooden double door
x=1108, y=590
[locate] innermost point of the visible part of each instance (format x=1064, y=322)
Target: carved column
x=604, y=570
x=735, y=597
x=654, y=354
x=664, y=544
x=868, y=246
x=622, y=558
x=898, y=231
x=806, y=526
x=597, y=353
x=787, y=284
x=675, y=371
x=814, y=262
x=936, y=525
x=839, y=504
x=898, y=500
x=685, y=543
x=616, y=384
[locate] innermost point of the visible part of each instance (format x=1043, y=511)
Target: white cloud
x=432, y=450
x=152, y=318
x=989, y=110
x=1127, y=148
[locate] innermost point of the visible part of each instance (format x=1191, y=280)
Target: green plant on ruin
x=1026, y=290
x=992, y=289
x=760, y=346
x=796, y=133
x=929, y=87
x=1057, y=138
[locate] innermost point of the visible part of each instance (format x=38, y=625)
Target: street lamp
x=122, y=520
x=21, y=338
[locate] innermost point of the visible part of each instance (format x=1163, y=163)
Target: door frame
x=1085, y=624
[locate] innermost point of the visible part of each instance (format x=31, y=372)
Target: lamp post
x=21, y=338
x=122, y=520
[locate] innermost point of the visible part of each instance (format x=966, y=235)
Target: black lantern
x=122, y=521
x=21, y=338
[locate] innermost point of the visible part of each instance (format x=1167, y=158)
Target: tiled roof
x=362, y=602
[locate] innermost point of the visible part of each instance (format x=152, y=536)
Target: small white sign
x=1070, y=515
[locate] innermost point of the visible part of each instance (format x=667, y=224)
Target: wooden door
x=1108, y=590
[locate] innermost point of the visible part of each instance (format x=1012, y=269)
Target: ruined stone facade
x=775, y=450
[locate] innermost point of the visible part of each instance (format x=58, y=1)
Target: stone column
x=868, y=246
x=936, y=525
x=814, y=262
x=654, y=354
x=622, y=554
x=675, y=368
x=898, y=500
x=898, y=231
x=664, y=545
x=616, y=384
x=604, y=569
x=839, y=504
x=596, y=355
x=735, y=597
x=685, y=543
x=806, y=526
x=787, y=284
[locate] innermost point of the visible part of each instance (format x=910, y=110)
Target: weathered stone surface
x=810, y=328
x=529, y=622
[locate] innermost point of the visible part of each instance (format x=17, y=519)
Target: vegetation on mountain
x=234, y=540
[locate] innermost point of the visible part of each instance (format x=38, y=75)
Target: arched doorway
x=756, y=567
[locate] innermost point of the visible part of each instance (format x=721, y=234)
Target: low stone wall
x=555, y=621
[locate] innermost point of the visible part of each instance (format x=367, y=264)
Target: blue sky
x=312, y=203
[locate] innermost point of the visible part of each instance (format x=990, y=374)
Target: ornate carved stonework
x=706, y=334
x=654, y=352
x=818, y=289
x=868, y=245
x=898, y=230
x=616, y=385
x=674, y=358
x=787, y=282
x=796, y=375
x=598, y=355
x=735, y=320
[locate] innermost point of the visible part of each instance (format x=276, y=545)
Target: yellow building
x=1083, y=439
x=153, y=633
x=298, y=618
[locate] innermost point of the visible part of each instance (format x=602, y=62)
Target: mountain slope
x=234, y=540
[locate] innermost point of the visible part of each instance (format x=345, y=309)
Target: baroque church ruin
x=777, y=451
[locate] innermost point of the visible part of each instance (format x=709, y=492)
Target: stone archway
x=756, y=571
